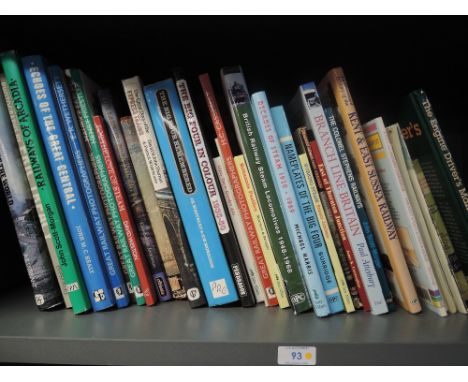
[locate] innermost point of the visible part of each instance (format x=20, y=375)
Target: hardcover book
x=260, y=227
x=34, y=191
x=335, y=87
x=141, y=265
x=411, y=240
x=192, y=200
x=426, y=227
x=88, y=186
x=337, y=132
x=426, y=142
x=204, y=151
x=80, y=89
x=20, y=202
x=239, y=228
x=307, y=109
x=328, y=225
x=18, y=91
x=135, y=201
x=180, y=259
x=153, y=210
x=313, y=177
x=64, y=173
x=313, y=216
x=249, y=139
x=320, y=282
x=263, y=264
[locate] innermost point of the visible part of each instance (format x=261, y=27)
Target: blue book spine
x=309, y=214
x=289, y=206
x=336, y=133
x=88, y=186
x=86, y=248
x=190, y=193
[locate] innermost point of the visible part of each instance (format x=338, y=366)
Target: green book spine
x=80, y=100
x=426, y=143
x=45, y=184
x=250, y=141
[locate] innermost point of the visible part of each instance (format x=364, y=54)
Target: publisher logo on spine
x=297, y=298
x=177, y=147
x=312, y=99
x=193, y=294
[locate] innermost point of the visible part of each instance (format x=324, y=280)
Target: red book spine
x=339, y=224
x=127, y=221
x=226, y=154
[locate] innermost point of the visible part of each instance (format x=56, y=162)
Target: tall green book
x=64, y=250
x=251, y=144
x=80, y=96
x=426, y=142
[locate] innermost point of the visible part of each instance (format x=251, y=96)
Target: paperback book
x=192, y=200
x=20, y=202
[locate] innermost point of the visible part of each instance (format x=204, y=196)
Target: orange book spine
x=130, y=231
x=335, y=85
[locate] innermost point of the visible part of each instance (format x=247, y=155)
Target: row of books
x=215, y=197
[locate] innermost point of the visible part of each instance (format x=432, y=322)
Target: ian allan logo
x=297, y=298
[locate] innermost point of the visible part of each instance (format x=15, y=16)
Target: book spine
x=313, y=216
x=330, y=228
x=223, y=223
x=45, y=184
x=336, y=134
x=34, y=191
x=320, y=283
x=425, y=141
x=150, y=203
x=347, y=245
x=136, y=251
x=64, y=174
x=260, y=228
x=241, y=110
x=239, y=229
x=79, y=97
x=453, y=263
x=20, y=202
x=272, y=281
x=192, y=199
x=88, y=186
x=318, y=124
x=411, y=240
x=180, y=260
x=429, y=234
x=371, y=189
x=135, y=201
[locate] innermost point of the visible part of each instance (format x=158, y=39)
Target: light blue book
x=289, y=205
x=308, y=212
x=190, y=193
x=74, y=207
x=88, y=185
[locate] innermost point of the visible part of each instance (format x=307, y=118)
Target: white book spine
x=317, y=121
x=144, y=127
x=410, y=237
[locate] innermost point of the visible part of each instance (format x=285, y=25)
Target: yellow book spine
x=262, y=233
x=372, y=192
x=338, y=270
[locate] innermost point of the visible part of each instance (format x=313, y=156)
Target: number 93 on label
x=297, y=355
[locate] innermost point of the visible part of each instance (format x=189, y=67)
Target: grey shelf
x=173, y=334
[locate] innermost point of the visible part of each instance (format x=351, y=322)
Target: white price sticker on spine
x=297, y=355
